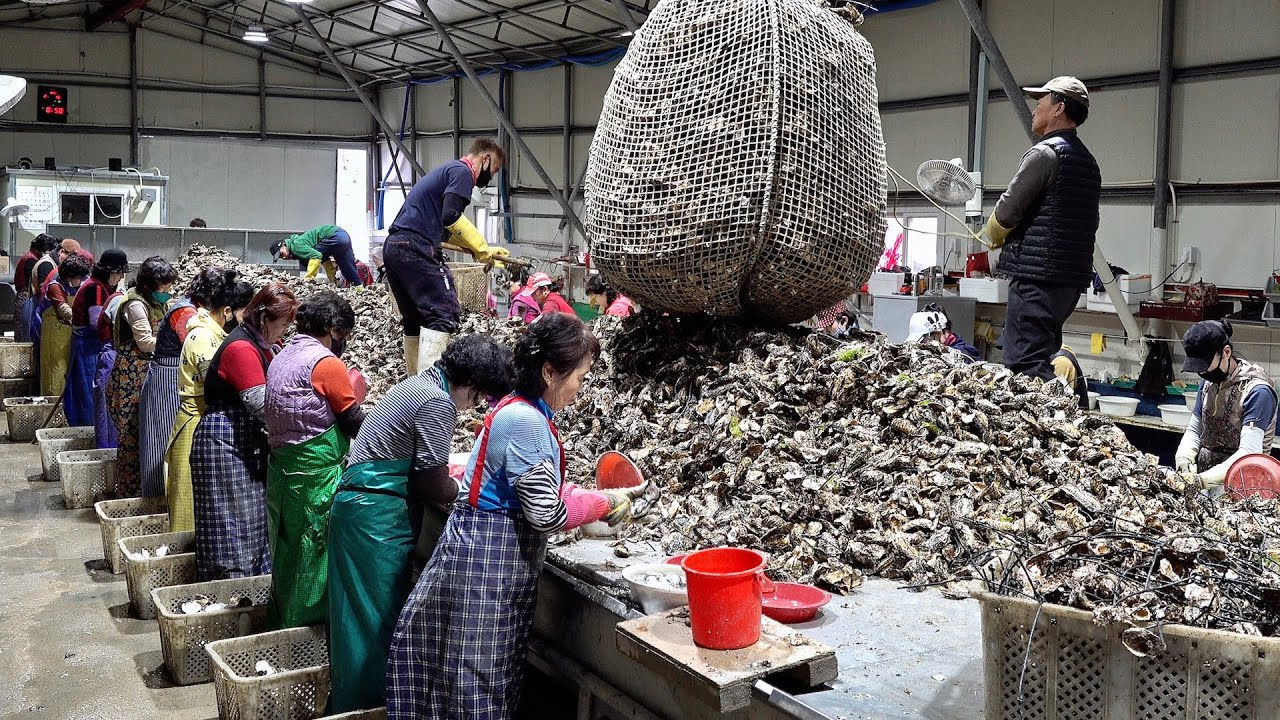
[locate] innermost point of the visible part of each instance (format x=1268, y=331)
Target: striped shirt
x=413, y=421
x=521, y=467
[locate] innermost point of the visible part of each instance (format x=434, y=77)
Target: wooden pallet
x=723, y=678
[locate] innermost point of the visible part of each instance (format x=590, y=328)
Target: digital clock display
x=52, y=104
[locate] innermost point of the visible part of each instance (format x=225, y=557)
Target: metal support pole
x=355, y=88
x=412, y=89
x=457, y=116
x=262, y=97
x=134, y=110
x=525, y=152
x=975, y=54
x=566, y=155
x=989, y=45
x=625, y=15
x=1164, y=111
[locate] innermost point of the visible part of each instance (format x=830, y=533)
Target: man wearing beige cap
x=1047, y=222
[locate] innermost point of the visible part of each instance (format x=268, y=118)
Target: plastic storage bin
x=472, y=284
x=1135, y=288
x=298, y=689
x=15, y=360
x=86, y=474
x=15, y=387
x=55, y=440
x=128, y=517
x=183, y=637
x=26, y=414
x=1061, y=666
x=142, y=575
x=987, y=290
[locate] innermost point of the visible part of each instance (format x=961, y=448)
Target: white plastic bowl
x=654, y=598
x=1118, y=406
x=1176, y=415
x=1093, y=400
x=1190, y=398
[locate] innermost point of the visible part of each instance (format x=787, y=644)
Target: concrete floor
x=68, y=648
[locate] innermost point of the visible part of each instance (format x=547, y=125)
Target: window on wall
x=910, y=241
x=92, y=209
x=351, y=204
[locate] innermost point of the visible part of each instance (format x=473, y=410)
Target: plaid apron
x=228, y=481
x=373, y=529
x=301, y=481
x=460, y=644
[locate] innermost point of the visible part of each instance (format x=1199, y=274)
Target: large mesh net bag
x=738, y=166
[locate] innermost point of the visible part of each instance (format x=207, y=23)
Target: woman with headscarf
x=459, y=646
x=229, y=448
x=104, y=428
x=23, y=274
x=222, y=306
x=42, y=274
x=90, y=300
x=56, y=315
x=399, y=461
x=134, y=330
x=312, y=411
x=158, y=408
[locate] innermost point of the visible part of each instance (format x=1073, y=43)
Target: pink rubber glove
x=584, y=506
x=358, y=385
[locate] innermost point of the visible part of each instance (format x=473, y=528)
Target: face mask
x=484, y=176
x=338, y=346
x=161, y=297
x=1214, y=376
x=230, y=325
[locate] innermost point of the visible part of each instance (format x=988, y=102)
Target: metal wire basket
x=128, y=517
x=86, y=475
x=299, y=687
x=738, y=166
x=183, y=637
x=472, y=282
x=55, y=440
x=146, y=573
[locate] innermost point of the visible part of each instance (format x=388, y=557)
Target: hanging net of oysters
x=738, y=166
x=847, y=459
x=374, y=347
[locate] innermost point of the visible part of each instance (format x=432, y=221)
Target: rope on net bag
x=738, y=165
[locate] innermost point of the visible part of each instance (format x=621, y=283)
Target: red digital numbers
x=53, y=104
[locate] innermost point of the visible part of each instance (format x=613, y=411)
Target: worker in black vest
x=1047, y=223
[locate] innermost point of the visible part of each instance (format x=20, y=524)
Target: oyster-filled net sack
x=738, y=166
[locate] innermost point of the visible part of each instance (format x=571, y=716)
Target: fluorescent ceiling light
x=255, y=34
x=12, y=89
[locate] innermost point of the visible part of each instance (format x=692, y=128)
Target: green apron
x=301, y=481
x=372, y=533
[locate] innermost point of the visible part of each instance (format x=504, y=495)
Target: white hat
x=924, y=323
x=1065, y=86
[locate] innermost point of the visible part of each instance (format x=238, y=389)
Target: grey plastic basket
x=55, y=440
x=373, y=714
x=142, y=575
x=14, y=387
x=1048, y=662
x=26, y=414
x=183, y=637
x=86, y=474
x=128, y=517
x=15, y=359
x=299, y=688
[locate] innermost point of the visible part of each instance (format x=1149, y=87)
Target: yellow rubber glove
x=465, y=235
x=331, y=270
x=994, y=232
x=313, y=267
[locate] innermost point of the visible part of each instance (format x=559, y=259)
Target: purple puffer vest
x=295, y=412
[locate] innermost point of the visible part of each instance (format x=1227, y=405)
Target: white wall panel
x=1237, y=243
x=26, y=50
x=160, y=108
x=435, y=106
x=259, y=202
x=282, y=75
x=475, y=111
x=435, y=151
x=86, y=150
x=391, y=104
x=1121, y=133
x=913, y=136
x=548, y=150
x=1226, y=130
x=589, y=87
x=161, y=56
x=1212, y=31
x=1124, y=234
x=538, y=97
x=1085, y=38
x=222, y=67
x=229, y=112
x=93, y=106
x=337, y=118
x=920, y=52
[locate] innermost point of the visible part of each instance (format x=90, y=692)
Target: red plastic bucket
x=724, y=596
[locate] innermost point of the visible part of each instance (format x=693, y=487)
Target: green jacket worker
x=323, y=246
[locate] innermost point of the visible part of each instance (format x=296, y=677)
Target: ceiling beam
x=111, y=12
